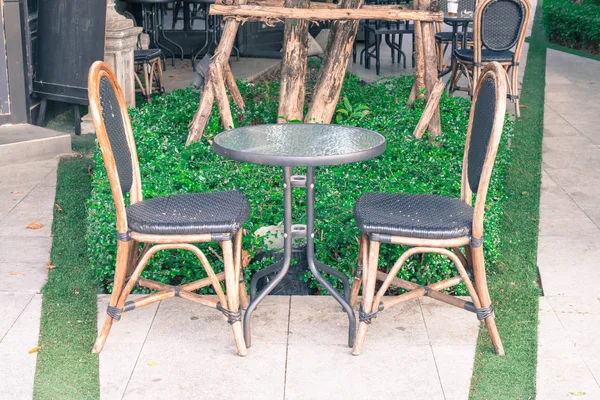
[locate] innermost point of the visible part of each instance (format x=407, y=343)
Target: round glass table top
x=299, y=145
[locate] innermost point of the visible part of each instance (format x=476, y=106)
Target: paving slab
x=17, y=366
x=27, y=194
x=188, y=348
x=569, y=241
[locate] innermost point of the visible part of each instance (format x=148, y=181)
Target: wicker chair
x=149, y=64
x=146, y=227
x=434, y=224
x=444, y=39
x=499, y=31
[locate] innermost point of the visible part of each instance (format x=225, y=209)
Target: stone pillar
x=121, y=39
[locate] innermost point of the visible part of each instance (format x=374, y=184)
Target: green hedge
x=573, y=25
x=409, y=165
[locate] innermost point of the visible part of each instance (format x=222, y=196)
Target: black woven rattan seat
x=189, y=213
x=486, y=55
x=140, y=56
x=423, y=216
x=446, y=37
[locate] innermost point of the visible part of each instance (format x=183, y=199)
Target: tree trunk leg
x=369, y=280
x=433, y=103
x=215, y=75
x=232, y=286
x=484, y=297
x=202, y=114
x=123, y=249
x=326, y=92
x=221, y=57
x=233, y=88
x=431, y=74
x=293, y=66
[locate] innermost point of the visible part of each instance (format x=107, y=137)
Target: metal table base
x=283, y=266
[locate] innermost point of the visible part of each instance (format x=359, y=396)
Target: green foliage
x=347, y=112
x=66, y=368
x=409, y=165
x=514, y=280
x=573, y=25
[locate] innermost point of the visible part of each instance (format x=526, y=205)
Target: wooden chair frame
x=135, y=249
x=472, y=70
x=153, y=73
x=469, y=263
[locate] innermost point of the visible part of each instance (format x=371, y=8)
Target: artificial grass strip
x=66, y=368
x=513, y=283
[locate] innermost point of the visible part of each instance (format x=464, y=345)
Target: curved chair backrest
x=483, y=137
x=501, y=24
x=113, y=130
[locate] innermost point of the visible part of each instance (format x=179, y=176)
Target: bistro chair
x=499, y=29
x=146, y=227
x=429, y=223
x=148, y=63
x=444, y=39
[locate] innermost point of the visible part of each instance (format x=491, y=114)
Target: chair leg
x=358, y=274
x=515, y=90
x=147, y=84
x=232, y=280
x=484, y=296
x=123, y=259
x=369, y=280
x=244, y=299
x=453, y=77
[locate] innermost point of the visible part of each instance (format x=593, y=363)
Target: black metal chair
x=429, y=223
x=444, y=39
x=388, y=31
x=499, y=29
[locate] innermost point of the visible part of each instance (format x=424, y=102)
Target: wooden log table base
x=297, y=14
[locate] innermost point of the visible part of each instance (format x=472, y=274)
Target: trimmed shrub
x=573, y=25
x=408, y=165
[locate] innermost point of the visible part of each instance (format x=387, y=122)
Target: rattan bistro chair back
x=499, y=29
x=444, y=39
x=437, y=224
x=172, y=222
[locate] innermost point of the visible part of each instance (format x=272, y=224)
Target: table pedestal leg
x=287, y=255
x=313, y=264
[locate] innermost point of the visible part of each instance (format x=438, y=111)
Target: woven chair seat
x=422, y=216
x=486, y=55
x=446, y=37
x=189, y=213
x=141, y=56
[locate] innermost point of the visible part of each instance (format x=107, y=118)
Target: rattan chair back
x=501, y=24
x=486, y=122
x=114, y=134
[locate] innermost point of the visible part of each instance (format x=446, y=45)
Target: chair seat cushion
x=486, y=55
x=422, y=216
x=140, y=56
x=446, y=37
x=391, y=28
x=189, y=213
